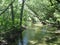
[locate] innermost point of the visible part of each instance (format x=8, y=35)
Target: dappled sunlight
x=29, y=22
x=33, y=42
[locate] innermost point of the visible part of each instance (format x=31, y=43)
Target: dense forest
x=29, y=22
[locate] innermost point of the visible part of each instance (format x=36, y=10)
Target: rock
x=3, y=42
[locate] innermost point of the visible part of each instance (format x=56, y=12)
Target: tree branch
x=21, y=16
x=51, y=2
x=37, y=15
x=7, y=7
x=12, y=13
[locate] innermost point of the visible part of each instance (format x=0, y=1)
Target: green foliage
x=35, y=11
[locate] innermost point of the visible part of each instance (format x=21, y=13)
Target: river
x=29, y=35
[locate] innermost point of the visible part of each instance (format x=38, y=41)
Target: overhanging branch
x=37, y=15
x=6, y=7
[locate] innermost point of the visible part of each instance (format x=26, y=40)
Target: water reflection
x=43, y=30
x=25, y=39
x=29, y=34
